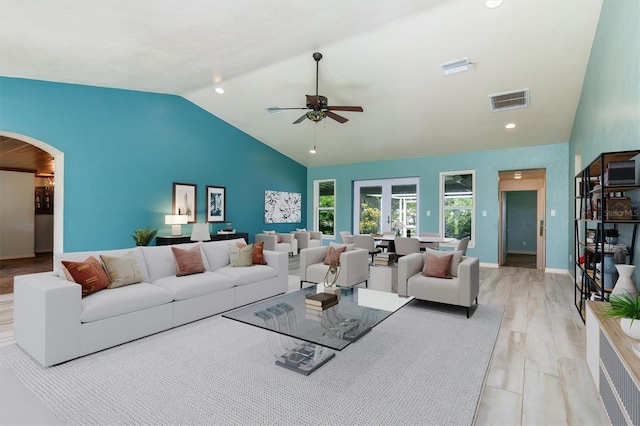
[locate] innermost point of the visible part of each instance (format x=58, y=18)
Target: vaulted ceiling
x=382, y=55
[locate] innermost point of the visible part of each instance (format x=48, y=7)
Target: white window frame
x=317, y=208
x=472, y=208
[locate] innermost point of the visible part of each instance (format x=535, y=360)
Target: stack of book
x=385, y=259
x=321, y=301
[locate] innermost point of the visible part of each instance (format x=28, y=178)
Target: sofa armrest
x=354, y=267
x=311, y=256
x=291, y=240
x=46, y=317
x=469, y=280
x=408, y=266
x=269, y=241
x=278, y=260
x=315, y=235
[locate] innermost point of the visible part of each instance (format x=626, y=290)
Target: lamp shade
x=176, y=220
x=200, y=232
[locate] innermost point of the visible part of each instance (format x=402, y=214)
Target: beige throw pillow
x=241, y=256
x=122, y=270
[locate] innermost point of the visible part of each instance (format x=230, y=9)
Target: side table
x=384, y=278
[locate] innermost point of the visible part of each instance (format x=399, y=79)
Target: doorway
x=522, y=236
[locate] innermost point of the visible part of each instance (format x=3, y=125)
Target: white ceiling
x=383, y=55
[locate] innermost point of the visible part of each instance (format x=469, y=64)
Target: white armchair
x=308, y=239
x=354, y=266
x=279, y=242
x=460, y=290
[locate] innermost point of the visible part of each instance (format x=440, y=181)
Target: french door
x=386, y=205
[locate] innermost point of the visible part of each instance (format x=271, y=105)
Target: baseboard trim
x=557, y=271
x=528, y=252
x=489, y=265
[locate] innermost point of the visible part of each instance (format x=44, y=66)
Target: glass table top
x=356, y=313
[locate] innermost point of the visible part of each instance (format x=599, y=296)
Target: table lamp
x=200, y=232
x=176, y=220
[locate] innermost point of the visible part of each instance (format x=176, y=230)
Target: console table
x=180, y=239
x=613, y=365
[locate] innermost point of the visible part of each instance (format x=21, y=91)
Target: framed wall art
x=216, y=203
x=282, y=207
x=184, y=200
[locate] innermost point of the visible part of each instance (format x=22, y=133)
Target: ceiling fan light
x=510, y=126
x=313, y=150
x=219, y=90
x=492, y=4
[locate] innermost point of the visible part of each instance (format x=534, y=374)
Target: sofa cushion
x=89, y=274
x=190, y=286
x=333, y=255
x=349, y=247
x=242, y=276
x=123, y=300
x=455, y=261
x=241, y=256
x=437, y=266
x=123, y=270
x=188, y=261
x=217, y=253
x=258, y=252
x=161, y=262
x=81, y=256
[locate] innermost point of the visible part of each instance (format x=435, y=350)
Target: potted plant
x=626, y=307
x=611, y=235
x=143, y=237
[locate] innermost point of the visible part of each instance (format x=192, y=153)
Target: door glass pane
x=370, y=217
x=404, y=205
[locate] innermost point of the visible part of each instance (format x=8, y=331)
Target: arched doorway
x=58, y=190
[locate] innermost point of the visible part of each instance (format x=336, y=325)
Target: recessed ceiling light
x=492, y=4
x=510, y=126
x=219, y=90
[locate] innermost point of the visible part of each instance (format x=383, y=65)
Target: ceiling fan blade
x=345, y=108
x=282, y=109
x=313, y=100
x=337, y=117
x=301, y=119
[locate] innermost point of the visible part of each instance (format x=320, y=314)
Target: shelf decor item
x=625, y=283
x=626, y=307
x=143, y=237
x=611, y=235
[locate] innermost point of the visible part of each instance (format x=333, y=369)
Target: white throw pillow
x=122, y=270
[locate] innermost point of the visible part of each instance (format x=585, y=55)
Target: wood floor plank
x=499, y=407
x=540, y=347
x=543, y=403
x=578, y=386
x=507, y=366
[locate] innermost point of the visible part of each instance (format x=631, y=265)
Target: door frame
x=385, y=209
x=538, y=185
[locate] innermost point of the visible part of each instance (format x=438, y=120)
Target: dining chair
x=368, y=243
x=462, y=245
x=346, y=237
x=384, y=244
x=406, y=245
x=435, y=246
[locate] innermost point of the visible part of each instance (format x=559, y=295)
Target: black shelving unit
x=598, y=200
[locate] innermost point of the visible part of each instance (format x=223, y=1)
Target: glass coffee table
x=309, y=336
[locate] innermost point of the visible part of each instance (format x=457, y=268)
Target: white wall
x=16, y=214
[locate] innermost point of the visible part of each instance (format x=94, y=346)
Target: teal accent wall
x=124, y=149
x=522, y=221
x=486, y=164
x=608, y=115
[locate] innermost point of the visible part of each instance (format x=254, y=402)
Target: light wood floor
x=538, y=374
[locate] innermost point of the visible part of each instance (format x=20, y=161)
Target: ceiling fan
x=318, y=106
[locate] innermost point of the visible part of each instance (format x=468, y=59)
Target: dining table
x=422, y=239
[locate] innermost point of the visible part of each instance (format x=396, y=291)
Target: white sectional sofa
x=54, y=323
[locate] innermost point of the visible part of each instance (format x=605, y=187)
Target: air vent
x=509, y=100
x=455, y=66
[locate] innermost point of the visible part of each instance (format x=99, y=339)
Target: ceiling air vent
x=455, y=66
x=509, y=100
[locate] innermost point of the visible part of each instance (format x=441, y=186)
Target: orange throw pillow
x=333, y=255
x=188, y=261
x=89, y=274
x=437, y=266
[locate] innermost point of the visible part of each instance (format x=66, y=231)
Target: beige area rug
x=425, y=364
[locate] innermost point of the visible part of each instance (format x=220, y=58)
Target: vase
x=630, y=329
x=611, y=240
x=609, y=271
x=625, y=283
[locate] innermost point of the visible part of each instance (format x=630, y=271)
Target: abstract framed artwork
x=184, y=200
x=282, y=207
x=216, y=203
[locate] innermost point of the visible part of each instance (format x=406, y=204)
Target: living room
x=119, y=151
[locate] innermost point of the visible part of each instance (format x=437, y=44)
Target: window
x=457, y=195
x=386, y=205
x=324, y=195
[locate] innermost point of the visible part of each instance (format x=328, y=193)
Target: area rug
x=424, y=365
